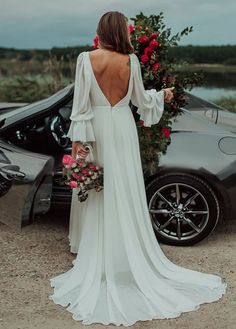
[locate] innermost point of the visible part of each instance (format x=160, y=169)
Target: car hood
x=219, y=117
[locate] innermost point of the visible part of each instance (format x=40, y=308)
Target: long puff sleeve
x=81, y=128
x=150, y=102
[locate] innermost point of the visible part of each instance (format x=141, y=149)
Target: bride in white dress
x=120, y=274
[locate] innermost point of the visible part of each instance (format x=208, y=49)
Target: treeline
x=225, y=54
x=42, y=54
x=204, y=54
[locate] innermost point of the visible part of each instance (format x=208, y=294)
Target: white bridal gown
x=120, y=274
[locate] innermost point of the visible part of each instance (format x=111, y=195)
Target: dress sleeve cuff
x=152, y=113
x=81, y=131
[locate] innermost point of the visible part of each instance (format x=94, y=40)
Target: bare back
x=112, y=72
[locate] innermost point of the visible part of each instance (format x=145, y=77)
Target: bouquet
x=81, y=174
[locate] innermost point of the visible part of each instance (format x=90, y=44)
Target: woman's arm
x=150, y=102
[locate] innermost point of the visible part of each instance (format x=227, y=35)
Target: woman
x=120, y=274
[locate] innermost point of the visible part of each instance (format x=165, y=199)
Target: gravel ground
x=41, y=250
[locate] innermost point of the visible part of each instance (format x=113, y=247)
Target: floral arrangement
x=82, y=175
x=151, y=41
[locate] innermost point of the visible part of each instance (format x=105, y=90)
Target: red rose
x=165, y=132
x=95, y=42
x=155, y=66
x=153, y=43
x=148, y=51
x=142, y=123
x=154, y=35
x=143, y=39
x=131, y=28
x=144, y=58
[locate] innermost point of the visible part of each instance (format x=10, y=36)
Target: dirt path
x=41, y=251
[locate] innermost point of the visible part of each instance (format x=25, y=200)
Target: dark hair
x=113, y=34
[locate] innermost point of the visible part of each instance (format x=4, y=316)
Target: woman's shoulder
x=82, y=54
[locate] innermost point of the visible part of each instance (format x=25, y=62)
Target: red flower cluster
x=151, y=45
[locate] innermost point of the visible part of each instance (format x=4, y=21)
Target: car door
x=25, y=185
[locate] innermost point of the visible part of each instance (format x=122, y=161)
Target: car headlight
x=227, y=145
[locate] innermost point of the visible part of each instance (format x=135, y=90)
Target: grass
x=228, y=103
x=212, y=68
x=28, y=81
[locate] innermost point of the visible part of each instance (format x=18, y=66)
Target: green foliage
x=230, y=61
x=204, y=54
x=40, y=54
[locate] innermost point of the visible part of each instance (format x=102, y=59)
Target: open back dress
x=120, y=274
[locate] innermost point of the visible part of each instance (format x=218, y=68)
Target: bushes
x=228, y=103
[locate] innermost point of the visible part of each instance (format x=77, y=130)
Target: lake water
x=216, y=85
x=210, y=93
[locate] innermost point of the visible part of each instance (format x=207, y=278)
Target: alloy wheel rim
x=178, y=211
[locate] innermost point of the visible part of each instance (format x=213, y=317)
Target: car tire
x=183, y=208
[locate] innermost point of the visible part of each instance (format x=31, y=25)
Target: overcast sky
x=48, y=23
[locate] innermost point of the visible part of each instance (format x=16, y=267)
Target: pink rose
x=155, y=66
x=76, y=176
x=153, y=43
x=143, y=39
x=73, y=184
x=68, y=160
x=144, y=58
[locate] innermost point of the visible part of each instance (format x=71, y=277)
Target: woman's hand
x=168, y=94
x=78, y=148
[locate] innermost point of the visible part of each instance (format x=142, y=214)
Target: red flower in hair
x=95, y=42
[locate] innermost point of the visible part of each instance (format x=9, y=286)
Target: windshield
x=198, y=104
x=190, y=121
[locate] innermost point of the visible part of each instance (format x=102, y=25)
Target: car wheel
x=183, y=208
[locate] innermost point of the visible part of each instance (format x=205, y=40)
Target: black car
x=194, y=186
